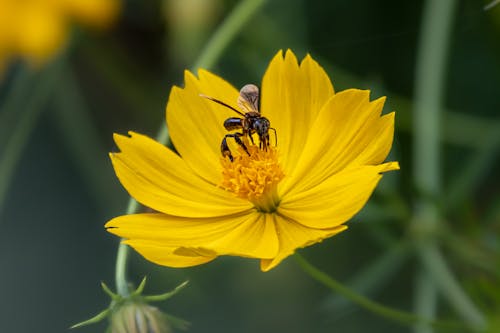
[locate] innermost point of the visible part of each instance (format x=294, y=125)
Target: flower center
x=254, y=177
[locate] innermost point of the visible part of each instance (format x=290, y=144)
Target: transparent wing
x=248, y=101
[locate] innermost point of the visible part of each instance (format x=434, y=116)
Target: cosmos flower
x=265, y=204
x=36, y=29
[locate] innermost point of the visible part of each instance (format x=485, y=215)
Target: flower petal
x=348, y=125
x=248, y=235
x=165, y=256
x=293, y=235
x=292, y=96
x=378, y=149
x=253, y=238
x=158, y=178
x=335, y=200
x=196, y=124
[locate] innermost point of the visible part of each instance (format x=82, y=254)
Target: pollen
x=254, y=177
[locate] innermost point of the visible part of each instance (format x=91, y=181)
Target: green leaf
x=140, y=288
x=93, y=320
x=108, y=291
x=162, y=297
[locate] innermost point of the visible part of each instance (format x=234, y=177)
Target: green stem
x=81, y=138
x=373, y=276
x=435, y=264
x=19, y=91
x=425, y=300
x=379, y=309
x=429, y=91
x=430, y=70
x=491, y=5
x=238, y=18
x=121, y=258
x=30, y=110
x=121, y=270
x=472, y=172
x=222, y=37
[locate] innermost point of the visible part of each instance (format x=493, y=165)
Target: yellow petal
x=165, y=256
x=293, y=235
x=158, y=178
x=347, y=125
x=248, y=235
x=196, y=123
x=292, y=96
x=378, y=149
x=253, y=238
x=335, y=200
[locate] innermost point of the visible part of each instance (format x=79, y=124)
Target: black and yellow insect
x=250, y=123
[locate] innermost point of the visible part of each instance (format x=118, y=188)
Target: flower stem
x=226, y=32
x=429, y=84
x=222, y=37
x=121, y=257
x=373, y=276
x=379, y=309
x=71, y=113
x=435, y=264
x=429, y=90
x=425, y=300
x=39, y=87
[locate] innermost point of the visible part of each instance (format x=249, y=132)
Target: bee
x=250, y=122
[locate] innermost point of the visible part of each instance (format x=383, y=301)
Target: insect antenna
x=222, y=103
x=275, y=136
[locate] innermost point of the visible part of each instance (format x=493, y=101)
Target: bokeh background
x=57, y=187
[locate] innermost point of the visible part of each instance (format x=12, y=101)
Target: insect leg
x=264, y=141
x=251, y=137
x=275, y=136
x=225, y=148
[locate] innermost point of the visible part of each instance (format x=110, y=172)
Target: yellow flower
x=37, y=29
x=265, y=204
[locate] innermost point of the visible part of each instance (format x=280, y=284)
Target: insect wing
x=248, y=101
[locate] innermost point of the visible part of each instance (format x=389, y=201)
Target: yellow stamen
x=253, y=177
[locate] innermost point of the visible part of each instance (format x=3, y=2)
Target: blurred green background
x=58, y=187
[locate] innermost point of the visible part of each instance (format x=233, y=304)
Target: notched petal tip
x=122, y=140
x=188, y=75
x=378, y=103
x=381, y=99
x=111, y=225
x=203, y=72
x=279, y=54
x=289, y=53
x=291, y=59
x=280, y=58
x=308, y=61
x=355, y=93
x=389, y=166
x=118, y=138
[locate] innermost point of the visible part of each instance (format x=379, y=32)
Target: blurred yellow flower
x=36, y=29
x=264, y=204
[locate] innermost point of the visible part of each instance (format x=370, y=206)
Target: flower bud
x=138, y=317
x=133, y=314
